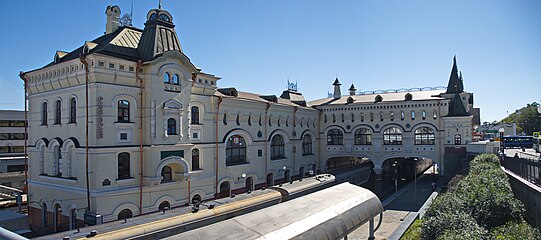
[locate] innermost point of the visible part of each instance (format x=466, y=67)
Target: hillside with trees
x=528, y=119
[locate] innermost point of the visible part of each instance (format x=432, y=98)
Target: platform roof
x=331, y=213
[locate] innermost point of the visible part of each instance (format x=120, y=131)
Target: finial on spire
x=160, y=4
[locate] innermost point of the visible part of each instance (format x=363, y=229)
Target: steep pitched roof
x=455, y=84
x=456, y=107
x=121, y=43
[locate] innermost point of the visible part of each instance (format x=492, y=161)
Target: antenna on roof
x=131, y=11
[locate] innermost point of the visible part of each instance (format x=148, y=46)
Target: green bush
x=486, y=158
x=515, y=231
x=481, y=201
x=490, y=200
x=414, y=231
x=453, y=184
x=450, y=221
x=461, y=235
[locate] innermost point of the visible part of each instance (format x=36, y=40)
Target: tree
x=528, y=119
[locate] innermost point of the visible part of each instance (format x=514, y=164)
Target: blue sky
x=257, y=45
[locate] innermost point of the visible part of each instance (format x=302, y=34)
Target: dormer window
x=175, y=79
x=408, y=97
x=164, y=17
x=379, y=98
x=166, y=78
x=153, y=16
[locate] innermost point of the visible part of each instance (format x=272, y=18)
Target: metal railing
x=527, y=167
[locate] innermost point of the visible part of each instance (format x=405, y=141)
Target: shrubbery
x=479, y=203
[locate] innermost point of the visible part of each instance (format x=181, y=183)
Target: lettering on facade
x=99, y=129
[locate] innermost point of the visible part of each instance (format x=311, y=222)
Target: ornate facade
x=162, y=134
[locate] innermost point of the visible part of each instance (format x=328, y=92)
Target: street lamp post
x=502, y=146
x=395, y=177
x=415, y=178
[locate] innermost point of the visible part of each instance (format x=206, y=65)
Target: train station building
x=126, y=125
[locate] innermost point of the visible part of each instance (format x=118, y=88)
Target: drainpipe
x=319, y=142
x=293, y=139
x=216, y=146
x=23, y=77
x=141, y=103
x=266, y=141
x=82, y=58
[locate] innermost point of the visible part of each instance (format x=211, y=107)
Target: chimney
x=352, y=90
x=336, y=94
x=113, y=18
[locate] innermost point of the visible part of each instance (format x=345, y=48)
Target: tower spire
x=455, y=84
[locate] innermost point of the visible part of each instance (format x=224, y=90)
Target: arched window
x=44, y=113
x=392, y=136
x=353, y=117
x=73, y=110
x=362, y=117
x=73, y=219
x=195, y=115
x=225, y=119
x=307, y=145
x=124, y=166
x=343, y=118
x=235, y=151
x=238, y=119
x=167, y=174
x=412, y=115
x=434, y=114
x=270, y=179
x=249, y=184
x=458, y=139
x=363, y=136
x=171, y=126
x=175, y=79
x=195, y=159
x=423, y=115
x=379, y=98
x=57, y=111
x=57, y=164
x=392, y=116
x=424, y=136
x=402, y=116
x=325, y=118
x=225, y=189
x=123, y=111
x=166, y=78
x=381, y=116
x=333, y=118
x=249, y=120
x=44, y=214
x=260, y=121
x=57, y=217
x=371, y=117
x=335, y=137
x=277, y=147
x=125, y=214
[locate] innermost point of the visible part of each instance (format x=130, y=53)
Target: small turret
x=113, y=18
x=352, y=90
x=336, y=94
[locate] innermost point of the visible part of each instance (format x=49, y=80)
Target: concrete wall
x=529, y=194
